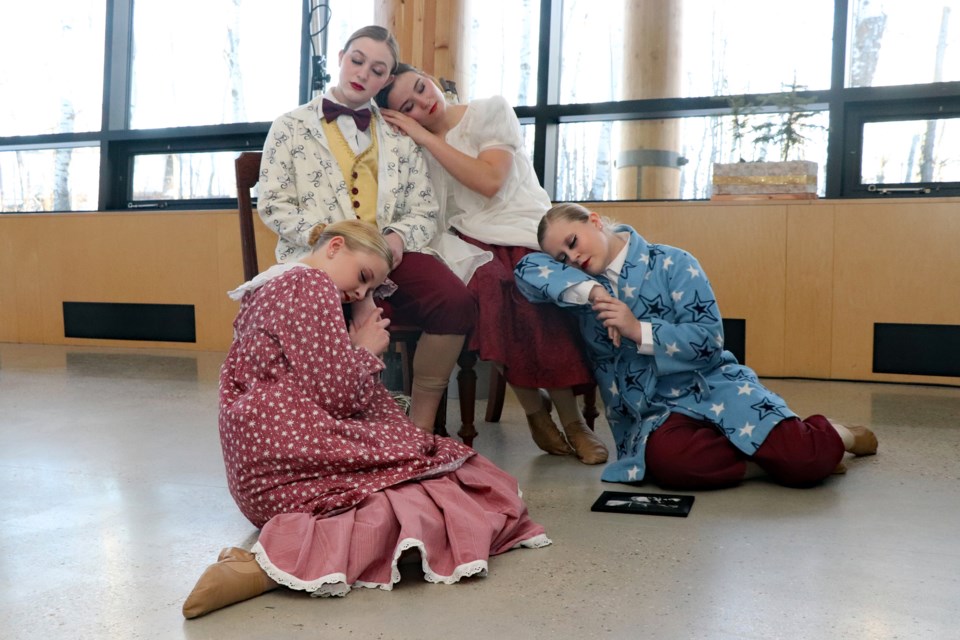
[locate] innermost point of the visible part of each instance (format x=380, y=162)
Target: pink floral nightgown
x=319, y=455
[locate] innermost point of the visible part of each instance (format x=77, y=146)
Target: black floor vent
x=916, y=349
x=735, y=338
x=122, y=321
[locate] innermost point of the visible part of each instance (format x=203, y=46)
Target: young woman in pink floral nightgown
x=320, y=456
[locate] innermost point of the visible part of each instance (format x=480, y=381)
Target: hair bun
x=315, y=234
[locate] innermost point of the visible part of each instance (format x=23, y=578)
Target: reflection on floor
x=114, y=500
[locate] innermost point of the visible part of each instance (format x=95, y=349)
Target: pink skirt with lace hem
x=456, y=521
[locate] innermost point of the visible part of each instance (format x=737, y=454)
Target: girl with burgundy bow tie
x=335, y=159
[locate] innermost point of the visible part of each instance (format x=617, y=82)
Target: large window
x=52, y=85
x=126, y=104
x=52, y=74
x=231, y=61
x=502, y=43
x=901, y=42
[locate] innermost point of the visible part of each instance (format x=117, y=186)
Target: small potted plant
x=786, y=131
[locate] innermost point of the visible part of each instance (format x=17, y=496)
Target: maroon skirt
x=539, y=345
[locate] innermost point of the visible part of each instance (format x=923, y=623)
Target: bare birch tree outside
x=215, y=69
x=225, y=75
x=65, y=54
x=886, y=51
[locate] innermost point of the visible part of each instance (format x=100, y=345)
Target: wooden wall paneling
x=448, y=39
x=10, y=270
x=890, y=261
x=809, y=283
x=154, y=258
x=21, y=264
x=896, y=261
x=429, y=32
x=230, y=275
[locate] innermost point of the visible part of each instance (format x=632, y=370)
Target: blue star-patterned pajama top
x=689, y=372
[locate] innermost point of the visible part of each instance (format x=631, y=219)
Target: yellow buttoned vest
x=359, y=170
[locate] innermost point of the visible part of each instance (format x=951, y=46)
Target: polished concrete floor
x=114, y=500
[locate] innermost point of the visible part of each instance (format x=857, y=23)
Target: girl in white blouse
x=490, y=206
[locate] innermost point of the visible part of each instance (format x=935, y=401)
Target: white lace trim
x=335, y=584
x=263, y=278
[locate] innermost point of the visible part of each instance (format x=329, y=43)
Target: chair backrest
x=248, y=174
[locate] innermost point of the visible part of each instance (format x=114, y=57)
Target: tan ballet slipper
x=864, y=441
x=585, y=443
x=544, y=430
x=235, y=577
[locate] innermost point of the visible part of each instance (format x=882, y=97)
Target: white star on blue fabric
x=545, y=271
x=747, y=429
x=628, y=291
x=677, y=296
x=632, y=472
x=667, y=263
x=672, y=348
x=717, y=409
x=744, y=389
x=645, y=258
x=613, y=388
x=694, y=272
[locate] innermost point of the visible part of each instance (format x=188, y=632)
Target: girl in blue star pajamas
x=684, y=413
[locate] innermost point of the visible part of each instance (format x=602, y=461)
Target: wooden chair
x=403, y=339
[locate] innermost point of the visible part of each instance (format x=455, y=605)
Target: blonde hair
x=357, y=236
x=569, y=211
x=377, y=34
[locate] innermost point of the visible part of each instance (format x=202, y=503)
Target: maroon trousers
x=430, y=296
x=686, y=453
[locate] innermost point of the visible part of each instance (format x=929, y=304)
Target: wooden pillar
x=431, y=34
x=647, y=165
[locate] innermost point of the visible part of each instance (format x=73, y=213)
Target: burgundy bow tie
x=333, y=110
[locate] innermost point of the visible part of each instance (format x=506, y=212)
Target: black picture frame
x=652, y=504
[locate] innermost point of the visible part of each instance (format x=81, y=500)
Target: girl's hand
x=361, y=309
x=371, y=334
x=405, y=124
x=617, y=318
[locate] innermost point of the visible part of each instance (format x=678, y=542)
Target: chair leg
x=590, y=412
x=440, y=422
x=498, y=388
x=467, y=386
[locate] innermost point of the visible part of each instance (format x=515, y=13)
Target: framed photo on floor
x=654, y=504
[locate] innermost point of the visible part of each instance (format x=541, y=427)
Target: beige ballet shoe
x=840, y=469
x=235, y=577
x=585, y=443
x=864, y=441
x=544, y=430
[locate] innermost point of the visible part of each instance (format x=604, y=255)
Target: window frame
x=937, y=104
x=849, y=109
